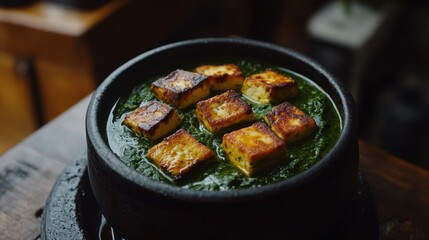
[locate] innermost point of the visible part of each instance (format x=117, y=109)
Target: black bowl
x=301, y=207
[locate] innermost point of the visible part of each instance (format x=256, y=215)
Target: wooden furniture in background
x=16, y=116
x=49, y=39
x=29, y=170
x=73, y=50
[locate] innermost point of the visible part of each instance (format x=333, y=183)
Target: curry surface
x=221, y=175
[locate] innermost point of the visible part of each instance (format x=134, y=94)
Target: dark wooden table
x=29, y=170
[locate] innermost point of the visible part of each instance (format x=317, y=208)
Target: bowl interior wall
x=163, y=61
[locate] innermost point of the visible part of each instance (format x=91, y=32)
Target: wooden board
x=29, y=170
x=400, y=188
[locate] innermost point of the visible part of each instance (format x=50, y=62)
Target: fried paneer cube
x=179, y=153
x=253, y=149
x=222, y=77
x=269, y=87
x=181, y=88
x=289, y=122
x=223, y=111
x=153, y=120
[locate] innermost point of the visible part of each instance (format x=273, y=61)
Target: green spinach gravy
x=222, y=175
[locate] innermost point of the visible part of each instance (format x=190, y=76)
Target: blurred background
x=54, y=53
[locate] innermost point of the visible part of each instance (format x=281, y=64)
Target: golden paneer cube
x=223, y=111
x=153, y=120
x=253, y=149
x=181, y=88
x=289, y=122
x=269, y=87
x=179, y=153
x=222, y=77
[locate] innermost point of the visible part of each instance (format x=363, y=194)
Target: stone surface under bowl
x=71, y=211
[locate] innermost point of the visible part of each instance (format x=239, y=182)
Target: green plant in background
x=346, y=6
